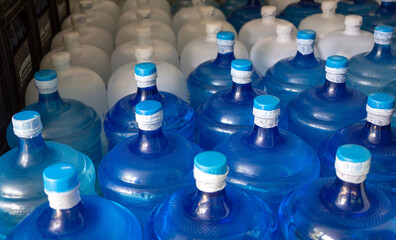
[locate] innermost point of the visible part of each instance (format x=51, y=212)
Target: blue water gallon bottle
x=295, y=12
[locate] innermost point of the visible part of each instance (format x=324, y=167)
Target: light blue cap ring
x=242, y=65
x=211, y=162
x=60, y=178
x=381, y=101
x=353, y=153
x=149, y=107
x=306, y=34
x=384, y=28
x=226, y=35
x=145, y=69
x=45, y=75
x=266, y=102
x=337, y=61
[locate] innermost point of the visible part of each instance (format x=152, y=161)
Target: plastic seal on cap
x=352, y=163
x=144, y=52
x=380, y=107
x=336, y=68
x=266, y=110
x=61, y=184
x=225, y=42
x=46, y=81
x=145, y=74
x=329, y=7
x=305, y=41
x=206, y=11
x=210, y=171
x=85, y=5
x=27, y=124
x=60, y=58
x=144, y=12
x=383, y=34
x=78, y=18
x=268, y=11
x=241, y=71
x=149, y=115
x=353, y=21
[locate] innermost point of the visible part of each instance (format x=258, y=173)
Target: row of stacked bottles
x=204, y=120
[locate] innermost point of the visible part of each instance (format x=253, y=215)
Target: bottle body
x=323, y=24
x=295, y=12
x=251, y=10
x=359, y=7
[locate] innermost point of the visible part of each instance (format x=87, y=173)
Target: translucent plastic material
x=348, y=42
x=88, y=35
x=230, y=5
x=196, y=29
x=281, y=4
x=258, y=29
x=359, y=7
x=295, y=12
x=83, y=55
x=215, y=75
x=133, y=4
x=368, y=72
x=266, y=52
x=245, y=13
x=77, y=83
x=385, y=14
x=160, y=163
x=321, y=110
x=205, y=48
x=391, y=88
x=157, y=15
x=269, y=162
x=325, y=22
x=290, y=76
x=120, y=122
x=22, y=184
x=178, y=5
x=105, y=6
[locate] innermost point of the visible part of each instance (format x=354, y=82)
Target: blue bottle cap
x=353, y=153
x=45, y=75
x=337, y=62
x=306, y=34
x=149, y=107
x=27, y=124
x=267, y=103
x=381, y=101
x=242, y=65
x=384, y=28
x=211, y=162
x=226, y=35
x=60, y=177
x=145, y=69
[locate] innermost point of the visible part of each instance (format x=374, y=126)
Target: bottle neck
x=241, y=92
x=264, y=137
x=224, y=59
x=346, y=197
x=79, y=27
x=268, y=19
x=149, y=93
x=62, y=67
x=88, y=12
x=52, y=101
x=283, y=37
x=304, y=60
x=149, y=141
x=378, y=135
x=208, y=207
x=143, y=39
x=71, y=45
x=333, y=90
x=380, y=52
x=31, y=151
x=352, y=29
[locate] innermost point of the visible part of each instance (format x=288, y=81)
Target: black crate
x=62, y=9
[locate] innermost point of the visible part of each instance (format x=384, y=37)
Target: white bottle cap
x=353, y=23
x=60, y=59
x=212, y=28
x=197, y=3
x=206, y=11
x=71, y=40
x=284, y=28
x=329, y=7
x=144, y=53
x=268, y=12
x=352, y=163
x=27, y=124
x=149, y=115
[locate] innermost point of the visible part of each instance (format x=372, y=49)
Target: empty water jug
x=163, y=51
x=345, y=207
x=68, y=215
x=205, y=48
x=144, y=169
x=391, y=89
x=215, y=75
x=157, y=15
x=321, y=110
x=266, y=52
x=120, y=122
x=83, y=55
x=178, y=5
x=290, y=76
x=326, y=22
x=267, y=161
x=74, y=82
x=211, y=209
x=295, y=12
x=105, y=6
x=245, y=13
x=385, y=14
x=22, y=167
x=281, y=4
x=89, y=35
x=133, y=4
x=359, y=7
x=229, y=111
x=123, y=82
x=348, y=42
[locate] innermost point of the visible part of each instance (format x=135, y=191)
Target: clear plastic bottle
x=134, y=4
x=120, y=122
x=211, y=209
x=326, y=22
x=83, y=55
x=105, y=6
x=22, y=167
x=320, y=111
x=77, y=83
x=163, y=51
x=258, y=29
x=385, y=14
x=89, y=35
x=370, y=71
x=295, y=12
x=281, y=4
x=268, y=51
x=94, y=18
x=245, y=13
x=71, y=216
x=196, y=29
x=376, y=134
x=205, y=48
x=141, y=171
x=348, y=42
x=359, y=7
x=159, y=30
x=345, y=207
x=215, y=75
x=391, y=89
x=123, y=82
x=290, y=76
x=178, y=5
x=267, y=161
x=65, y=121
x=230, y=110
x=157, y=15
x=193, y=13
